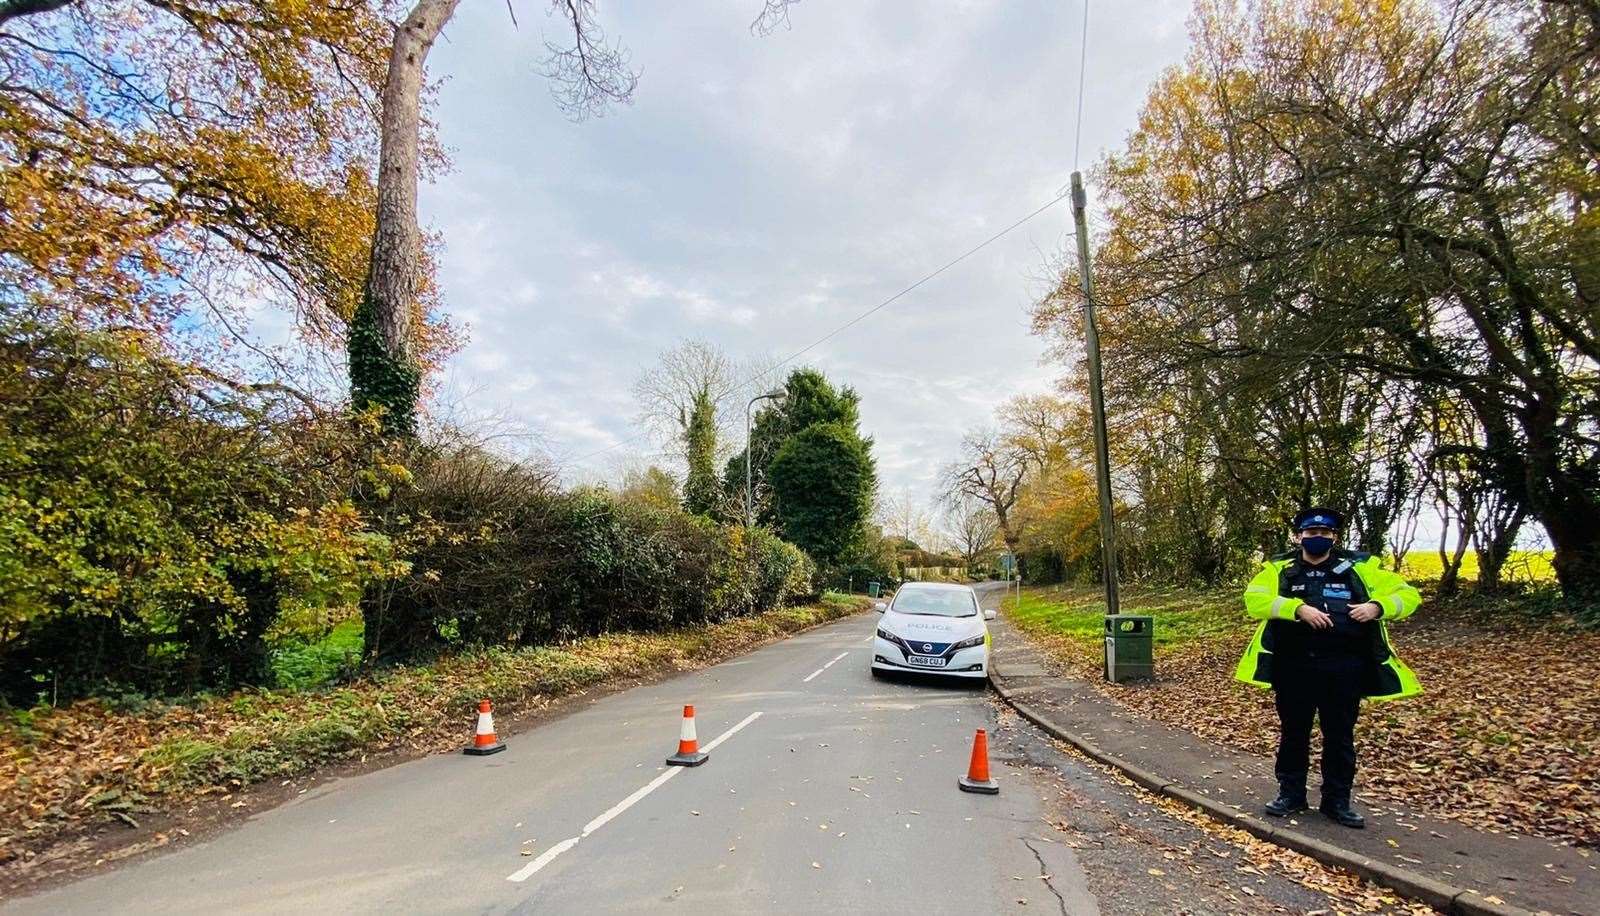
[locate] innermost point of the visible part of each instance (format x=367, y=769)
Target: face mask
x=1316, y=546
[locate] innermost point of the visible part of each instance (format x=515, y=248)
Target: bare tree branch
x=588, y=75
x=13, y=9
x=774, y=15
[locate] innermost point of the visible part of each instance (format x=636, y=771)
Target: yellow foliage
x=187, y=160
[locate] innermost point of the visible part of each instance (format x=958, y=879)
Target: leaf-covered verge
x=66, y=769
x=1506, y=735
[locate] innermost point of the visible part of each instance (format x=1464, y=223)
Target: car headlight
x=885, y=634
x=969, y=643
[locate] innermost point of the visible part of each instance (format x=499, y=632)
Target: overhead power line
x=1083, y=62
x=876, y=308
x=745, y=385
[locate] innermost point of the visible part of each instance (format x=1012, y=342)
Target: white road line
x=549, y=855
x=823, y=668
x=629, y=802
x=730, y=732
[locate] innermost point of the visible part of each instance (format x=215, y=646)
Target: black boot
x=1291, y=798
x=1339, y=811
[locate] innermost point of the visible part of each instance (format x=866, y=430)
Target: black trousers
x=1329, y=690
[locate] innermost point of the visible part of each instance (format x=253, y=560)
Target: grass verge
x=1506, y=735
x=67, y=769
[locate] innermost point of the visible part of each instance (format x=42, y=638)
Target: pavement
x=1450, y=866
x=825, y=791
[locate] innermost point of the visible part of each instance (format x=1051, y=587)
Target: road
x=826, y=791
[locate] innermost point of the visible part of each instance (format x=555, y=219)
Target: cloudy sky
x=758, y=193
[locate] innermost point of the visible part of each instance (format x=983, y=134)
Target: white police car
x=934, y=627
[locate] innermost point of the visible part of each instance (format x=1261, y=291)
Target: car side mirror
x=880, y=607
x=989, y=614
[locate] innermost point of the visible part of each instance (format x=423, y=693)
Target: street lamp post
x=749, y=485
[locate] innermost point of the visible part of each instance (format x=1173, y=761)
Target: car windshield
x=935, y=602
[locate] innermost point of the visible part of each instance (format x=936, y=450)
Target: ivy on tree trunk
x=379, y=378
x=383, y=369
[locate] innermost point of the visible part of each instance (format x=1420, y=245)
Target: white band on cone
x=687, y=732
x=485, y=723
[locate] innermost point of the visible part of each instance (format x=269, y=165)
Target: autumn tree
x=651, y=487
x=1060, y=509
x=1345, y=200
x=989, y=470
x=1047, y=429
x=164, y=164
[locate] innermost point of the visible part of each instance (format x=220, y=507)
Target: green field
x=1077, y=612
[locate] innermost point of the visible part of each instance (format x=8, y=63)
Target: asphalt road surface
x=826, y=791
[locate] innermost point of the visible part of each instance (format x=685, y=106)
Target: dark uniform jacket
x=1283, y=643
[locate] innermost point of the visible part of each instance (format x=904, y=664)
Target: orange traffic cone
x=689, y=753
x=484, y=742
x=977, y=778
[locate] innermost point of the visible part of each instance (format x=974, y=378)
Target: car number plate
x=926, y=661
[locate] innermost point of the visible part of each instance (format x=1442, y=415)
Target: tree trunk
x=1450, y=572
x=1496, y=546
x=1572, y=520
x=1564, y=497
x=1009, y=537
x=383, y=370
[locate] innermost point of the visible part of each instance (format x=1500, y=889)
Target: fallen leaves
x=1476, y=747
x=1354, y=894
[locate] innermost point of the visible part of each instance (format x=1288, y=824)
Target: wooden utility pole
x=1097, y=399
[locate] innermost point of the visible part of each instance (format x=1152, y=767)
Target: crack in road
x=1044, y=873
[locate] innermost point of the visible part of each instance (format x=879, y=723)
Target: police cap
x=1318, y=517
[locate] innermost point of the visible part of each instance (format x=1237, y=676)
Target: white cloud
x=762, y=191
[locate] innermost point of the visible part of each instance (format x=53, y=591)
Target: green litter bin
x=1129, y=654
x=874, y=589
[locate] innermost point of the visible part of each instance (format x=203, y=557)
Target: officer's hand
x=1317, y=619
x=1362, y=613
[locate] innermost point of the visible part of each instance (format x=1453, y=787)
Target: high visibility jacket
x=1266, y=599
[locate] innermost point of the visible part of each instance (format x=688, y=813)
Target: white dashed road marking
x=549, y=855
x=823, y=668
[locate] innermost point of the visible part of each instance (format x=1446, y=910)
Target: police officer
x=1322, y=645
